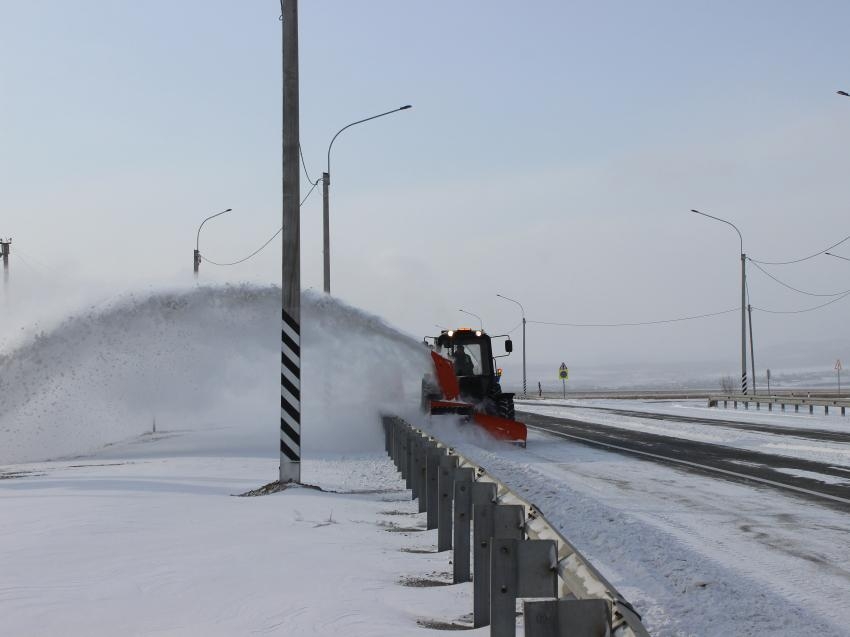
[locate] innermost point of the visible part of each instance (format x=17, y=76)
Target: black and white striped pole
x=290, y=334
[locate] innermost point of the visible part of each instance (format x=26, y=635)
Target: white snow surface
x=106, y=528
x=146, y=538
x=779, y=443
x=695, y=555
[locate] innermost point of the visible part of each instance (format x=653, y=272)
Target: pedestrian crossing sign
x=563, y=372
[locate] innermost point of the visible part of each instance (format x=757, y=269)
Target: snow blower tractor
x=465, y=381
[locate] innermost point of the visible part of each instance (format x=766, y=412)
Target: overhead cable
x=811, y=256
x=638, y=323
x=791, y=287
x=803, y=311
x=258, y=250
x=304, y=166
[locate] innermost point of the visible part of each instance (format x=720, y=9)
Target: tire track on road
x=718, y=460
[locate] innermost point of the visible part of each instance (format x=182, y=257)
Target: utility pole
x=743, y=320
x=522, y=309
x=290, y=347
x=5, y=249
x=326, y=230
x=752, y=348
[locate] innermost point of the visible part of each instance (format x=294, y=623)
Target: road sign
x=563, y=372
x=838, y=367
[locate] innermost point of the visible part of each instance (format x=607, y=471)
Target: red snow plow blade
x=502, y=428
x=447, y=403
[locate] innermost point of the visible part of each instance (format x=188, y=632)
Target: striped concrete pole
x=290, y=334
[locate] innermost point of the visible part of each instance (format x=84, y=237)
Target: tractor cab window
x=467, y=359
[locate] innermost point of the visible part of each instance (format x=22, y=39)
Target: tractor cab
x=471, y=353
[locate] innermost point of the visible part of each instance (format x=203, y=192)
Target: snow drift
x=205, y=358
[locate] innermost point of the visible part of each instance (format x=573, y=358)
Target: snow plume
x=205, y=358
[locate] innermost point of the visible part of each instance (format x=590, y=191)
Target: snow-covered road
x=695, y=554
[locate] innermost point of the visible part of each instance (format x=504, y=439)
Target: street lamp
x=326, y=182
x=480, y=322
x=197, y=258
x=743, y=301
x=844, y=93
x=522, y=309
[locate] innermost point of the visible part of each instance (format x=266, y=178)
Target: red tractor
x=465, y=381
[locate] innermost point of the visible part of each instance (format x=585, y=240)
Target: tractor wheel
x=505, y=407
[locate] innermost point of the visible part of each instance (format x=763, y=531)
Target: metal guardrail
x=782, y=401
x=578, y=579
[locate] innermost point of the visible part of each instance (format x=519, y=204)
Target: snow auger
x=465, y=381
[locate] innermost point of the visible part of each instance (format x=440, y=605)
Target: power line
x=258, y=250
x=304, y=166
x=808, y=309
x=638, y=323
x=811, y=256
x=791, y=287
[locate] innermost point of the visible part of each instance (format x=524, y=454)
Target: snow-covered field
x=107, y=528
x=146, y=538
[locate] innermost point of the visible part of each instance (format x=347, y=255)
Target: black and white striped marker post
x=290, y=335
x=290, y=398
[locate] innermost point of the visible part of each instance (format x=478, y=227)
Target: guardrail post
x=811, y=409
x=445, y=486
x=826, y=409
x=415, y=452
x=797, y=407
x=842, y=410
x=422, y=488
x=397, y=444
x=387, y=422
x=431, y=488
x=408, y=457
x=462, y=520
x=483, y=503
x=402, y=451
x=567, y=618
x=519, y=569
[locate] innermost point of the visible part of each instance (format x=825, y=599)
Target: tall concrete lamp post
x=743, y=300
x=326, y=182
x=197, y=259
x=522, y=309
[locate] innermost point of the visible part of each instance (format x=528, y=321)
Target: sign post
x=838, y=371
x=768, y=382
x=564, y=375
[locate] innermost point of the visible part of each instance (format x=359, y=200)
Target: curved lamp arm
x=198, y=239
x=395, y=110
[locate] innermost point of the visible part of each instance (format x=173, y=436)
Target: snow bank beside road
x=196, y=359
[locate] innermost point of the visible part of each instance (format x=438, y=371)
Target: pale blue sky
x=559, y=143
